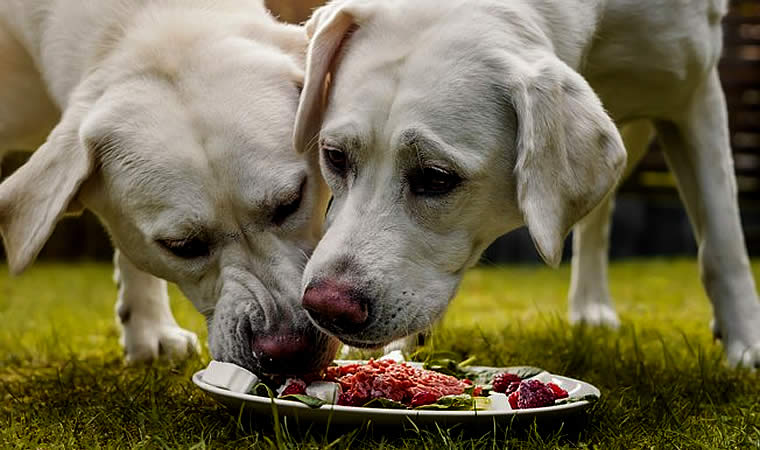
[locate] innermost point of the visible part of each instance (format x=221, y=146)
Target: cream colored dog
x=172, y=121
x=444, y=124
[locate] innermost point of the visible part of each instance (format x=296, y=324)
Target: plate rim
x=197, y=379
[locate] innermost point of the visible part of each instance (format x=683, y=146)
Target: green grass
x=63, y=383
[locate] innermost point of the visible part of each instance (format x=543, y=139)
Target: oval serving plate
x=351, y=415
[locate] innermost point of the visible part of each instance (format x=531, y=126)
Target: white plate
x=351, y=415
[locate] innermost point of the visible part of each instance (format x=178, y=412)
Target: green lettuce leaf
x=485, y=389
x=461, y=402
x=263, y=390
x=308, y=400
x=484, y=375
x=447, y=367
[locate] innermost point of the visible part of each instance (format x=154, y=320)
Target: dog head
x=180, y=141
x=439, y=127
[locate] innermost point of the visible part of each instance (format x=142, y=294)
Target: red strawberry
x=350, y=399
x=296, y=387
x=502, y=381
x=558, y=391
x=513, y=398
x=477, y=391
x=423, y=398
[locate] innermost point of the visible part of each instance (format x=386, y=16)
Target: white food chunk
x=499, y=402
x=395, y=355
x=229, y=376
x=324, y=390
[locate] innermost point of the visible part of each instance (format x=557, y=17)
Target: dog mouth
x=292, y=347
x=362, y=343
x=348, y=335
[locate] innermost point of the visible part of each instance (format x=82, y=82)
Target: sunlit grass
x=63, y=385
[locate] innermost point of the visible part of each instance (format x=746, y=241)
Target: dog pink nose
x=332, y=304
x=285, y=354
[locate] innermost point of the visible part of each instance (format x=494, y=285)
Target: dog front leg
x=590, y=300
x=148, y=328
x=589, y=297
x=698, y=151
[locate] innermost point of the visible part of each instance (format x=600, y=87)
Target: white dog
x=172, y=121
x=444, y=124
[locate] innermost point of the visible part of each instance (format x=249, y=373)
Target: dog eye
x=285, y=210
x=337, y=159
x=190, y=248
x=433, y=181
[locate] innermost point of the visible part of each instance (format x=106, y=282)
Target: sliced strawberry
x=558, y=391
x=296, y=387
x=513, y=398
x=423, y=398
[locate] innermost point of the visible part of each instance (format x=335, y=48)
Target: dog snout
x=335, y=306
x=291, y=353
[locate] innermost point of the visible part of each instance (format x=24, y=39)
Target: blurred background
x=649, y=219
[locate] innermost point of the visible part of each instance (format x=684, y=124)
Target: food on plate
x=394, y=381
x=326, y=391
x=390, y=382
x=531, y=394
x=293, y=386
x=559, y=393
x=229, y=376
x=505, y=383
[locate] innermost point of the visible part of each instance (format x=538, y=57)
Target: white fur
x=170, y=120
x=509, y=95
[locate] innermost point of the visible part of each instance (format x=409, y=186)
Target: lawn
x=63, y=383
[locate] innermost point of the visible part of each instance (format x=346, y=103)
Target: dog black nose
x=335, y=305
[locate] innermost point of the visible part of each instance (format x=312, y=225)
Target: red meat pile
x=388, y=379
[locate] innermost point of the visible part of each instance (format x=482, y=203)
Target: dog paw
x=151, y=342
x=740, y=336
x=602, y=315
x=742, y=354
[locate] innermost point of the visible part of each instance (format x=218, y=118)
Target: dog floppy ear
x=569, y=152
x=329, y=28
x=35, y=197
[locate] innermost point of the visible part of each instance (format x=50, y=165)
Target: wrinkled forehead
x=439, y=85
x=225, y=133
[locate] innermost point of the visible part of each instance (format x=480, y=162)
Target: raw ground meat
x=387, y=379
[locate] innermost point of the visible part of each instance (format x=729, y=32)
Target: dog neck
x=564, y=27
